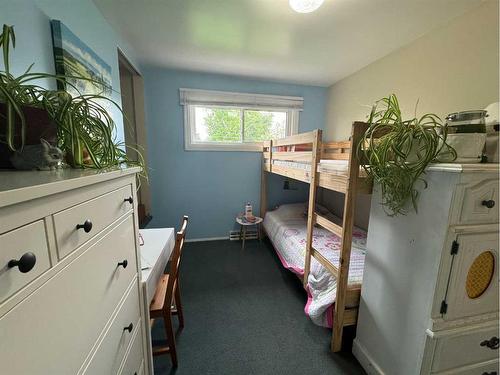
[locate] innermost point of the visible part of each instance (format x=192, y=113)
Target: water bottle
x=248, y=210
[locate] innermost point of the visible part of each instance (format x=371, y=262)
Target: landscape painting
x=73, y=57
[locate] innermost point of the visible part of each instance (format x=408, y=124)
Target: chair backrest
x=176, y=256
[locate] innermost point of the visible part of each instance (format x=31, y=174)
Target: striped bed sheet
x=287, y=229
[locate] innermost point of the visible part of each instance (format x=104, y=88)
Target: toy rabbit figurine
x=43, y=157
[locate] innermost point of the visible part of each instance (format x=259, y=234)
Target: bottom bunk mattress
x=287, y=229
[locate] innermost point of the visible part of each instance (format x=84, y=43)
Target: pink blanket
x=287, y=228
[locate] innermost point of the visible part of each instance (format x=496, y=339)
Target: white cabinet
x=78, y=309
x=430, y=296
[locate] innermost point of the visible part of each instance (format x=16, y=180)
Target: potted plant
x=85, y=130
x=20, y=103
x=395, y=152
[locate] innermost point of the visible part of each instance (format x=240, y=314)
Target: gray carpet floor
x=244, y=314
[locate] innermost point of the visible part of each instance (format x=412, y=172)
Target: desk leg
x=147, y=332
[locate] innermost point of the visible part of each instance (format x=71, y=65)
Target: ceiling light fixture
x=305, y=6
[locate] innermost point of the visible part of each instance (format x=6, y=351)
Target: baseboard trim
x=365, y=360
x=207, y=239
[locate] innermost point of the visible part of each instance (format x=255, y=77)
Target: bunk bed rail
x=336, y=150
x=292, y=157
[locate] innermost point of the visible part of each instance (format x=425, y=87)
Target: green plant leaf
x=398, y=152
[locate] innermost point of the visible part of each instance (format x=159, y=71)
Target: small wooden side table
x=243, y=228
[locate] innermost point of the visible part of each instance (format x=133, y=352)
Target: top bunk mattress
x=336, y=167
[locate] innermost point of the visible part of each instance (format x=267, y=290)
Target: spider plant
x=85, y=129
x=395, y=152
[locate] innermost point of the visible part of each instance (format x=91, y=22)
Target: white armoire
x=429, y=301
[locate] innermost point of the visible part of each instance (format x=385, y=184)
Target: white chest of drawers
x=429, y=303
x=77, y=309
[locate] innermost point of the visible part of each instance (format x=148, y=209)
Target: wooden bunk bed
x=281, y=157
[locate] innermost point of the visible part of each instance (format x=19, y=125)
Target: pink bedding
x=287, y=228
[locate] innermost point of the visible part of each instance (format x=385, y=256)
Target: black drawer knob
x=86, y=226
x=25, y=263
x=124, y=264
x=490, y=373
x=492, y=343
x=129, y=328
x=129, y=200
x=489, y=203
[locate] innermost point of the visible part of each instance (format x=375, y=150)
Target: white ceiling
x=265, y=39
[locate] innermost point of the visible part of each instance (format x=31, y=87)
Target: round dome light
x=305, y=6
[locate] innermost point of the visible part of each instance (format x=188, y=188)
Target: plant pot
x=38, y=125
x=84, y=157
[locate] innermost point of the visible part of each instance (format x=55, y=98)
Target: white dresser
x=429, y=302
x=70, y=298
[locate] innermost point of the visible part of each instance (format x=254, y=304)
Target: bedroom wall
x=452, y=68
x=31, y=20
x=211, y=186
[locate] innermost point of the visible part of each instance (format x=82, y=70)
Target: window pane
x=217, y=125
x=264, y=125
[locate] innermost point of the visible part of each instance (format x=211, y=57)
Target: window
x=225, y=121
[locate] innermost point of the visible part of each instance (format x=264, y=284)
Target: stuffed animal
x=43, y=157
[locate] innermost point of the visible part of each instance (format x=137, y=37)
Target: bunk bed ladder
x=358, y=129
x=341, y=318
x=316, y=155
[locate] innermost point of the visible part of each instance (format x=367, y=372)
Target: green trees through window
x=239, y=125
x=260, y=125
x=223, y=125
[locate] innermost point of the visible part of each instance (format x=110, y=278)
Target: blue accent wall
x=31, y=20
x=211, y=186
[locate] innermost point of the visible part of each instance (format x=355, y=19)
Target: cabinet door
x=473, y=282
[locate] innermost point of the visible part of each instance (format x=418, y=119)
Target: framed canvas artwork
x=73, y=57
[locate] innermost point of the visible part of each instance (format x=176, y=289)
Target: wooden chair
x=168, y=294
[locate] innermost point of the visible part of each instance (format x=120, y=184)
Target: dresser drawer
x=92, y=216
x=57, y=325
x=30, y=238
x=134, y=363
x=479, y=203
x=484, y=368
x=111, y=351
x=464, y=348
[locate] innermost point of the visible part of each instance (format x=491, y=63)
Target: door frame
x=140, y=128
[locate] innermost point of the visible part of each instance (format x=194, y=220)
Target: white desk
x=155, y=253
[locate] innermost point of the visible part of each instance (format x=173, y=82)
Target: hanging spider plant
x=395, y=152
x=85, y=129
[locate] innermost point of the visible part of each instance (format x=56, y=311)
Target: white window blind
x=226, y=98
